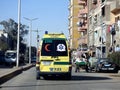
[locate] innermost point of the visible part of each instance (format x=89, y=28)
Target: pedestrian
x=87, y=68
x=77, y=64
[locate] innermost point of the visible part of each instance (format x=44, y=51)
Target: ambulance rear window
x=54, y=47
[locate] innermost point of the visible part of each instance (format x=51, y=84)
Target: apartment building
x=115, y=21
x=95, y=26
x=73, y=28
x=82, y=24
x=78, y=24
x=91, y=24
x=101, y=18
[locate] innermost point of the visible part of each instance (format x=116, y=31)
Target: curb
x=10, y=75
x=14, y=73
x=24, y=68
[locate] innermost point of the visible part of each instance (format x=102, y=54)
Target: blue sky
x=52, y=15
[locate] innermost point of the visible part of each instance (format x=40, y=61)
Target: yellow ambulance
x=54, y=57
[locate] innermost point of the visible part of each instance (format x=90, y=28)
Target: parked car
x=10, y=57
x=105, y=64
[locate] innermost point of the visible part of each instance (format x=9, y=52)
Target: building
x=82, y=24
x=94, y=26
x=98, y=25
x=115, y=21
x=73, y=28
x=78, y=24
x=101, y=19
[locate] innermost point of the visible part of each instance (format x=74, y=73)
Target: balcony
x=81, y=2
x=94, y=1
x=83, y=11
x=80, y=16
x=84, y=16
x=83, y=40
x=83, y=28
x=115, y=7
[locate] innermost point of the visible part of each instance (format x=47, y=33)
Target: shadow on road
x=88, y=78
x=78, y=78
x=74, y=78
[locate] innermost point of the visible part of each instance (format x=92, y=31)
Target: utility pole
x=37, y=45
x=18, y=34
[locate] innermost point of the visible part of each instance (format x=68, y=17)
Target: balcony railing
x=83, y=16
x=83, y=11
x=83, y=28
x=94, y=1
x=81, y=2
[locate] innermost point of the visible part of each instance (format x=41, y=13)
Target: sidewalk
x=7, y=73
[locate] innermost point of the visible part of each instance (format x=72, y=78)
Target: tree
x=11, y=27
x=4, y=45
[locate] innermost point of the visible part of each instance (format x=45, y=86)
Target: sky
x=52, y=15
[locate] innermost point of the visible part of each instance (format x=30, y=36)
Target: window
x=10, y=55
x=54, y=47
x=103, y=1
x=103, y=11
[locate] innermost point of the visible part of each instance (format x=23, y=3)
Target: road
x=79, y=81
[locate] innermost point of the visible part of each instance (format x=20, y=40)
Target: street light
x=18, y=36
x=30, y=36
x=37, y=42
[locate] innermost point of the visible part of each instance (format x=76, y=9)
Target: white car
x=10, y=57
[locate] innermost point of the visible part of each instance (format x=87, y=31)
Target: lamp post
x=18, y=35
x=37, y=43
x=30, y=36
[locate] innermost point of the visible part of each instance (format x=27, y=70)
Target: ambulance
x=54, y=57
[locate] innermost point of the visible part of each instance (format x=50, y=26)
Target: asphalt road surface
x=79, y=81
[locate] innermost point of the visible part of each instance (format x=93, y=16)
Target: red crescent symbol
x=46, y=47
